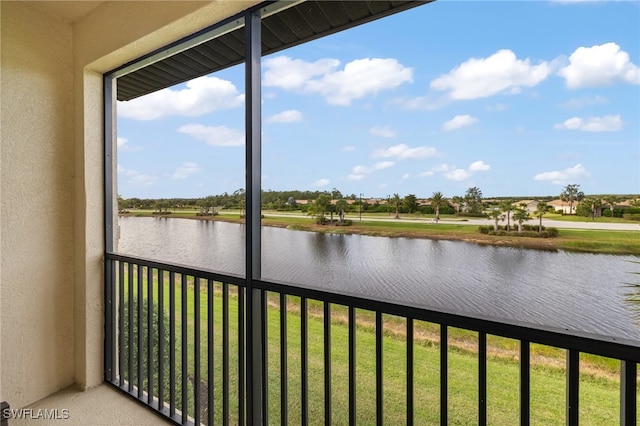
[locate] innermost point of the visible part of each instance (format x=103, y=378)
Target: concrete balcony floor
x=102, y=405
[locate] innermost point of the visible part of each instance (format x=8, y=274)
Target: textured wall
x=51, y=187
x=36, y=220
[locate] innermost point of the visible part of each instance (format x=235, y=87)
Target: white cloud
x=458, y=174
x=565, y=176
x=458, y=122
x=293, y=74
x=288, y=116
x=321, y=182
x=135, y=178
x=608, y=123
x=214, y=135
x=185, y=170
x=201, y=96
x=359, y=171
x=382, y=132
x=501, y=72
x=383, y=165
x=479, y=166
x=576, y=103
x=349, y=148
x=403, y=151
x=406, y=176
x=123, y=145
x=599, y=65
x=429, y=102
x=358, y=78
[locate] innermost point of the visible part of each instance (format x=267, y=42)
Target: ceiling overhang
x=296, y=24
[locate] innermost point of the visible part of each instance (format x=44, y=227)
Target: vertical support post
x=253, y=168
x=109, y=288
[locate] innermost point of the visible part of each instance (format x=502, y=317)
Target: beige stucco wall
x=36, y=177
x=51, y=156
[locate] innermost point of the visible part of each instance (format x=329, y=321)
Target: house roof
x=302, y=22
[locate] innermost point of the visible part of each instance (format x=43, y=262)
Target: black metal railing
x=176, y=340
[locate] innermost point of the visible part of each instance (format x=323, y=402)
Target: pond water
x=575, y=291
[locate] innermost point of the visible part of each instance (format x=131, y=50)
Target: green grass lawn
x=599, y=393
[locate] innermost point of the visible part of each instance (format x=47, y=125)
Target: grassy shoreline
x=576, y=240
x=599, y=379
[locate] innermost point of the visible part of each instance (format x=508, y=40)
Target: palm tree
x=572, y=194
x=611, y=200
x=457, y=202
x=496, y=215
x=397, y=200
x=341, y=204
x=541, y=209
x=437, y=200
x=506, y=206
x=520, y=215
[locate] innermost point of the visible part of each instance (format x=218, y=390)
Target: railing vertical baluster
x=196, y=349
x=482, y=378
x=327, y=363
x=525, y=383
x=573, y=386
x=304, y=362
x=172, y=344
x=121, y=330
x=352, y=365
x=444, y=372
x=284, y=400
x=140, y=354
x=210, y=354
x=241, y=356
x=184, y=337
x=149, y=335
x=409, y=371
x=161, y=332
x=225, y=354
x=110, y=320
x=628, y=393
x=379, y=370
x=130, y=327
x=265, y=358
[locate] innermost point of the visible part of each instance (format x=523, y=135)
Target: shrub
x=631, y=216
x=346, y=222
x=530, y=234
x=321, y=220
x=484, y=229
x=502, y=233
x=544, y=234
x=553, y=232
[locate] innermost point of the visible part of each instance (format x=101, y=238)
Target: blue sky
x=518, y=98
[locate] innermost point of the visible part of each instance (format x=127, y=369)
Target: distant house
x=529, y=205
x=563, y=206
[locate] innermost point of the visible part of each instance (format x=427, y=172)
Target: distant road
x=477, y=222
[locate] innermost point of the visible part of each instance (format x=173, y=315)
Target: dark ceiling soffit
x=290, y=27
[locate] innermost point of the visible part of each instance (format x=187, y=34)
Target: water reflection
x=574, y=291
